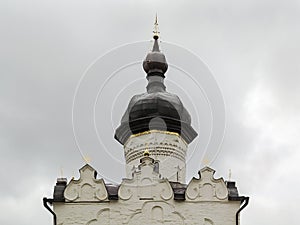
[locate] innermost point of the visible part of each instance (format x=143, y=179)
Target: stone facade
x=146, y=199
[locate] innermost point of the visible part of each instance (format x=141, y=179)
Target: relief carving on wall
x=86, y=188
x=207, y=188
x=102, y=218
x=208, y=221
x=156, y=213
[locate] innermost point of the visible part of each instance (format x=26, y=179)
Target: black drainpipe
x=246, y=200
x=48, y=200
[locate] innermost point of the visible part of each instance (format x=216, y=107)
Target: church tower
x=156, y=122
x=155, y=132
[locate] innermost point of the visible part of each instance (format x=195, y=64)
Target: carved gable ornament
x=207, y=188
x=146, y=184
x=87, y=188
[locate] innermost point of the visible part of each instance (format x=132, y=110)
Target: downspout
x=45, y=201
x=246, y=200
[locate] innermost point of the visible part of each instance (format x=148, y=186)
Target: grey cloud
x=46, y=46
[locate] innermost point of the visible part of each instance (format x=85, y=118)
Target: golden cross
x=205, y=161
x=87, y=159
x=155, y=31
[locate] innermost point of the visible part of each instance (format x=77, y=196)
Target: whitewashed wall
x=146, y=199
x=166, y=147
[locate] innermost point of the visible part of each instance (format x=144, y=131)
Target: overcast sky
x=252, y=48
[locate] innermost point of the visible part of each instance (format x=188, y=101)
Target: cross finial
x=146, y=152
x=229, y=177
x=61, y=172
x=155, y=30
x=177, y=172
x=87, y=159
x=205, y=161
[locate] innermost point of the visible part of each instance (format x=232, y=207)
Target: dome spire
x=155, y=30
x=155, y=63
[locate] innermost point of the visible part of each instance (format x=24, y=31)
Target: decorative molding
x=152, y=132
x=158, y=150
x=207, y=188
x=86, y=188
x=159, y=143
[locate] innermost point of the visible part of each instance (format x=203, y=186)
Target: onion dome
x=155, y=62
x=156, y=109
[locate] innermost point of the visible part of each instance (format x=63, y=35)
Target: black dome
x=156, y=109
